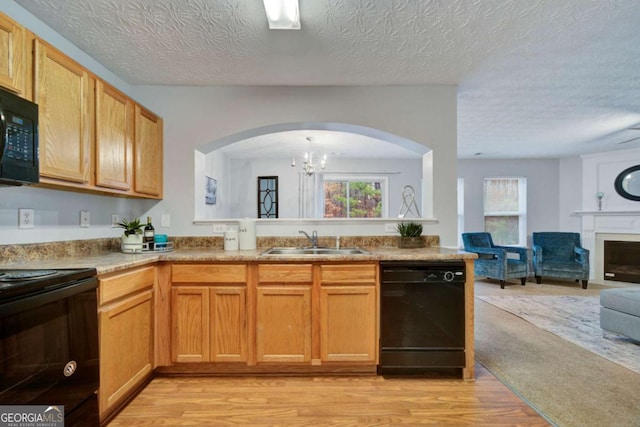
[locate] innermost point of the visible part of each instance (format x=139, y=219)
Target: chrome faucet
x=313, y=238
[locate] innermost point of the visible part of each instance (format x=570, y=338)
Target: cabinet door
x=62, y=91
x=126, y=347
x=13, y=56
x=228, y=324
x=148, y=153
x=190, y=324
x=283, y=331
x=114, y=138
x=348, y=323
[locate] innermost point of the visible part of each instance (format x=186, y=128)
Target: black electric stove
x=17, y=283
x=49, y=341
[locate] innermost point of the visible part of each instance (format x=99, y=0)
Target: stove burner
x=13, y=276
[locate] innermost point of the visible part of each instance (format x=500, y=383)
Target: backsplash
x=63, y=249
x=78, y=248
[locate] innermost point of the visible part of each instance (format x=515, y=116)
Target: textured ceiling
x=537, y=78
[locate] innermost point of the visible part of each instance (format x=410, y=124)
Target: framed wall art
x=211, y=191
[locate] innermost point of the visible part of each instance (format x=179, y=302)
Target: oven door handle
x=65, y=290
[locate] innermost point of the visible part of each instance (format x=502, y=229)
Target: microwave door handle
x=3, y=131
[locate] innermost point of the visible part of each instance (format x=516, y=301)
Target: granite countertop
x=114, y=261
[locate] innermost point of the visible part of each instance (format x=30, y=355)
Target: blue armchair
x=493, y=261
x=557, y=254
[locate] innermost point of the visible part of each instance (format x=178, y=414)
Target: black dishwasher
x=422, y=316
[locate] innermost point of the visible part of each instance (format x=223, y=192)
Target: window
x=348, y=196
x=460, y=211
x=267, y=197
x=505, y=210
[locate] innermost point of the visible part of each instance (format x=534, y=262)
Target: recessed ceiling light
x=282, y=14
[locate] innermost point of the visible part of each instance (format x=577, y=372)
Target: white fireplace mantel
x=607, y=213
x=598, y=226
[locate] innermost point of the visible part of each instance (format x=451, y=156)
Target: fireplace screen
x=622, y=261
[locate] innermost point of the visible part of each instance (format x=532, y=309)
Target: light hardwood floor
x=327, y=401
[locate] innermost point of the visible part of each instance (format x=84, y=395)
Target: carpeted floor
x=569, y=385
x=574, y=318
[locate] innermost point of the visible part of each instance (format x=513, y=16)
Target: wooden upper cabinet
x=63, y=93
x=13, y=56
x=148, y=153
x=114, y=138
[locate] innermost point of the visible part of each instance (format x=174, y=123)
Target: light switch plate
x=390, y=227
x=219, y=228
x=85, y=219
x=115, y=219
x=166, y=220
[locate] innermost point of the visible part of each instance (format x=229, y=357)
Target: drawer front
x=352, y=274
x=285, y=273
x=209, y=273
x=122, y=284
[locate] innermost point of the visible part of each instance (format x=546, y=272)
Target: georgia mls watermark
x=31, y=416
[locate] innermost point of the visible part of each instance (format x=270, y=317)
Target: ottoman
x=620, y=311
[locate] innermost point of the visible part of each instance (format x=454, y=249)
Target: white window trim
x=522, y=208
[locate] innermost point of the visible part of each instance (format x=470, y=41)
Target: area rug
x=574, y=318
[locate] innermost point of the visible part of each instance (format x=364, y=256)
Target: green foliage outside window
x=352, y=199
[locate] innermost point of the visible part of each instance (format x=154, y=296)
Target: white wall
x=570, y=196
x=599, y=172
x=543, y=190
x=197, y=116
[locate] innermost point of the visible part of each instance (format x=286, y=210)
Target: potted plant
x=410, y=235
x=132, y=236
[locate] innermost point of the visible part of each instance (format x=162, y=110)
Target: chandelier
x=308, y=166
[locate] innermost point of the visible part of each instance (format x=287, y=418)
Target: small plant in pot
x=410, y=235
x=132, y=236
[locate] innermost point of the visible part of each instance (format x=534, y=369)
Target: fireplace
x=622, y=261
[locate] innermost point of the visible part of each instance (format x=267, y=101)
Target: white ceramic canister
x=231, y=240
x=247, y=234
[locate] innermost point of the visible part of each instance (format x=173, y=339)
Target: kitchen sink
x=315, y=251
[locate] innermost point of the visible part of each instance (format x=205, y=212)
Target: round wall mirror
x=628, y=183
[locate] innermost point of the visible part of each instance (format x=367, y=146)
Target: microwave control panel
x=20, y=138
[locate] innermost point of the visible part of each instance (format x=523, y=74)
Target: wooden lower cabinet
x=209, y=324
x=348, y=316
x=348, y=296
x=190, y=324
x=228, y=311
x=261, y=314
x=209, y=313
x=284, y=313
x=126, y=335
x=283, y=324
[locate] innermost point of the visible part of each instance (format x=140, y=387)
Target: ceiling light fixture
x=308, y=167
x=282, y=14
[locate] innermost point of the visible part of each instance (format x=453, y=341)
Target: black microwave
x=18, y=140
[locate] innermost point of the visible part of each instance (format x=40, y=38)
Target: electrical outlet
x=26, y=218
x=219, y=228
x=85, y=219
x=390, y=227
x=115, y=219
x=166, y=220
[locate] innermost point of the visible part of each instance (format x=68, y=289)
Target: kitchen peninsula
x=203, y=310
